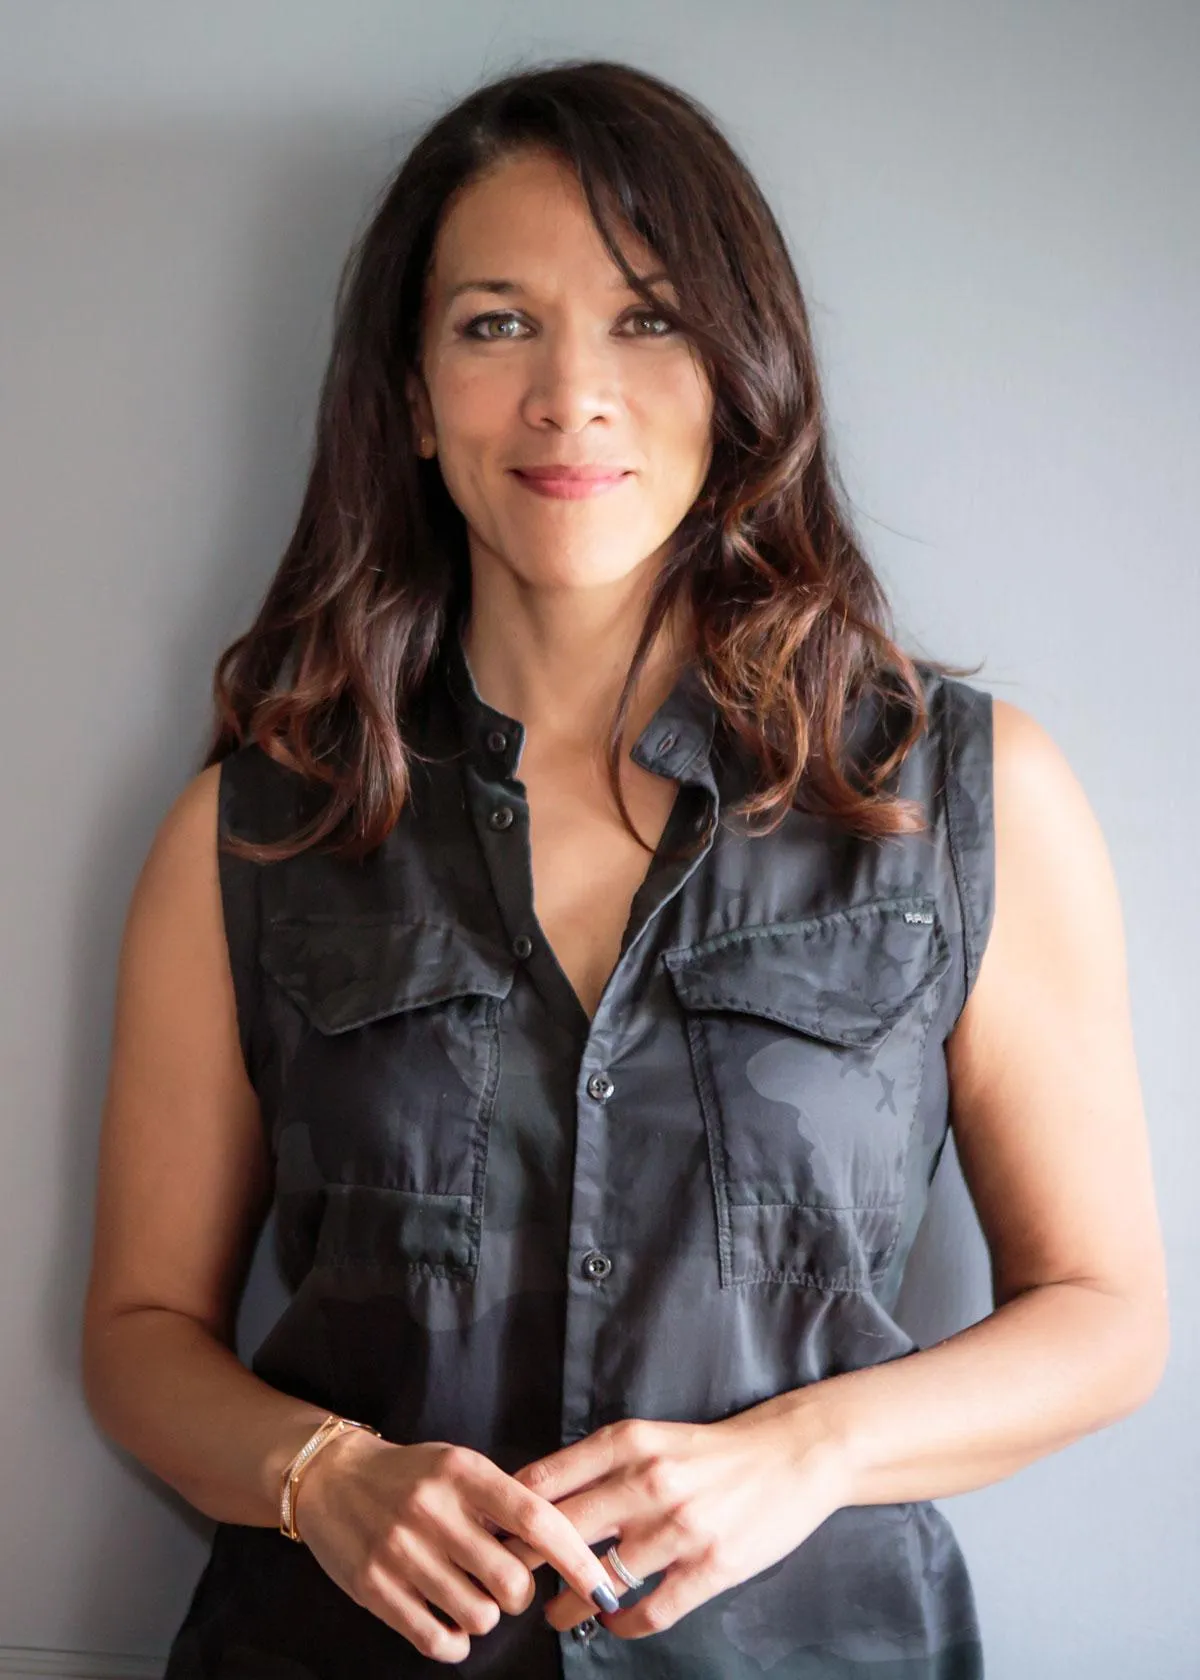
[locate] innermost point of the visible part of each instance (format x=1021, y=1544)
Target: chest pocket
x=387, y=1099
x=807, y=1041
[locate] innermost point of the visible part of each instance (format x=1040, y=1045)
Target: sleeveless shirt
x=504, y=1224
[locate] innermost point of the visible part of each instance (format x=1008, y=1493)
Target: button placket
x=600, y=1087
x=595, y=1265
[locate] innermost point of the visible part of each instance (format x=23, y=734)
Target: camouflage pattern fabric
x=504, y=1224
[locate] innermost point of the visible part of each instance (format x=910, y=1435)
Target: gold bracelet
x=290, y=1481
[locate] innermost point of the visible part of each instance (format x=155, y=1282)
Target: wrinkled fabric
x=503, y=1224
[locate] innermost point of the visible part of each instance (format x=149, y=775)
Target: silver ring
x=626, y=1575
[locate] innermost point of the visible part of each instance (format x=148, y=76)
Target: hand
x=402, y=1528
x=712, y=1504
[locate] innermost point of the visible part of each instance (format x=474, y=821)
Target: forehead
x=527, y=220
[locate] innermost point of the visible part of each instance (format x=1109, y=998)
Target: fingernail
x=605, y=1598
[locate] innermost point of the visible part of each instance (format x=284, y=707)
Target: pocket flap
x=346, y=971
x=845, y=976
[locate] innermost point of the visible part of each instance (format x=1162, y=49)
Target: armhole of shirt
x=967, y=780
x=240, y=904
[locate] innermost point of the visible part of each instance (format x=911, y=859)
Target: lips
x=570, y=483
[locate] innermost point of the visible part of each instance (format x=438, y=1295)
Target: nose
x=573, y=380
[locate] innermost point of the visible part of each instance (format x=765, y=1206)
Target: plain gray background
x=993, y=211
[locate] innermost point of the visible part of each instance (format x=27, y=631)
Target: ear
x=424, y=433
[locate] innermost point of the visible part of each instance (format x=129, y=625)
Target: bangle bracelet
x=290, y=1481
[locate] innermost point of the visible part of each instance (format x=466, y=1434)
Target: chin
x=587, y=565
x=585, y=572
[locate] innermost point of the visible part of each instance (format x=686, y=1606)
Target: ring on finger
x=621, y=1571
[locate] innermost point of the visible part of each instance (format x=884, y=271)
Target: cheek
x=474, y=404
x=683, y=424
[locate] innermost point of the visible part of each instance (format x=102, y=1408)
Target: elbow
x=1145, y=1347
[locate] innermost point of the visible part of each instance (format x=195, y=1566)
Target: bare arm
x=183, y=1189
x=1049, y=1125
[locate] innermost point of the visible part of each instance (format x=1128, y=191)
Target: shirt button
x=585, y=1630
x=501, y=817
x=600, y=1086
x=596, y=1265
x=522, y=945
x=497, y=740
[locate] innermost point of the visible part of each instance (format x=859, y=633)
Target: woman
x=607, y=919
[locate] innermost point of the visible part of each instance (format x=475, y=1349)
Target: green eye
x=501, y=316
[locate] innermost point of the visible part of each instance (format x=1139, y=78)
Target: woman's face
x=535, y=355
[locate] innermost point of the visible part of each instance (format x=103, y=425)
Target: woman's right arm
x=183, y=1189
x=184, y=1186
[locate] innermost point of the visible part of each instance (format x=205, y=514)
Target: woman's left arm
x=1048, y=1121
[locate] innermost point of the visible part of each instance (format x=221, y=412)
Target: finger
x=566, y=1608
x=506, y=1578
x=402, y=1608
x=685, y=1588
x=552, y=1535
x=571, y=1468
x=440, y=1580
x=522, y=1550
x=604, y=1510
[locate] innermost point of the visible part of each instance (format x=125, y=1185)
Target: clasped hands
x=710, y=1504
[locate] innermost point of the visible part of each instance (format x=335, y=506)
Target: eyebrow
x=506, y=288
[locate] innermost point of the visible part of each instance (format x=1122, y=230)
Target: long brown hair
x=791, y=623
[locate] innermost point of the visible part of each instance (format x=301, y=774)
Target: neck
x=557, y=659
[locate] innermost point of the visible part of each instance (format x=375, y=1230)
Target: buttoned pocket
x=388, y=1093
x=807, y=1041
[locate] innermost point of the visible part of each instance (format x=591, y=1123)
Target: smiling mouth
x=568, y=485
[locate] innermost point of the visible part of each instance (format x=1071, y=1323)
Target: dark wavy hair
x=792, y=625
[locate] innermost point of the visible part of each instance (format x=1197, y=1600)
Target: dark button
x=522, y=945
x=595, y=1264
x=497, y=740
x=585, y=1630
x=501, y=817
x=600, y=1086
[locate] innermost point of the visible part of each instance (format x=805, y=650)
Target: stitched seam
x=728, y=1000
x=949, y=794
x=828, y=1207
x=396, y=1190
x=715, y=1136
x=885, y=1258
x=805, y=926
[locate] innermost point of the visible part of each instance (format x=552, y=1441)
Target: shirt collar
x=677, y=741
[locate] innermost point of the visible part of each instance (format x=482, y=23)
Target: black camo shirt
x=504, y=1224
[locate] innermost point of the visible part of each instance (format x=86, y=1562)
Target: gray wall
x=994, y=212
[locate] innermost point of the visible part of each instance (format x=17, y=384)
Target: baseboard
x=33, y=1662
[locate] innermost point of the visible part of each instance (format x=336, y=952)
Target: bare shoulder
x=182, y=854
x=1045, y=1095
x=1057, y=908
x=182, y=1176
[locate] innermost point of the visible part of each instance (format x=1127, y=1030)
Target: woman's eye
x=500, y=319
x=652, y=315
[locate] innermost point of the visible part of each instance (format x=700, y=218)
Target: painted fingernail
x=606, y=1598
